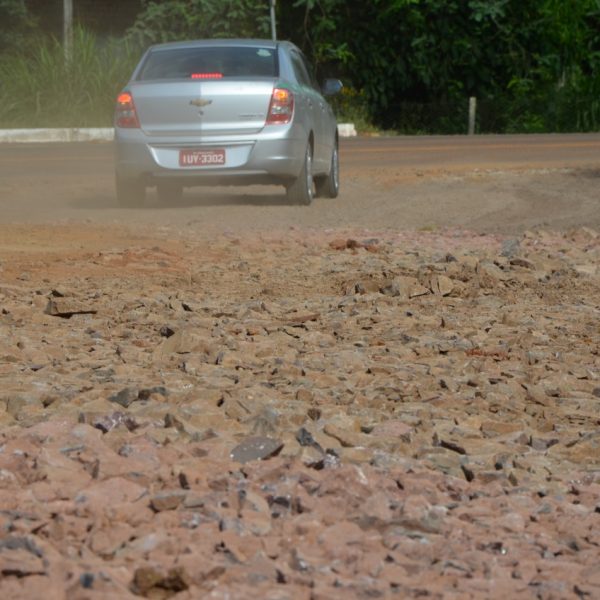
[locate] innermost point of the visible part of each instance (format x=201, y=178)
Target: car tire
x=328, y=186
x=300, y=191
x=169, y=193
x=131, y=193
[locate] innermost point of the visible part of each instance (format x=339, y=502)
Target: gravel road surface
x=394, y=394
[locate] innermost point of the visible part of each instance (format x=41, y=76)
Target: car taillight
x=125, y=113
x=281, y=108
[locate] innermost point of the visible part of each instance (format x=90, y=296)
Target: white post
x=273, y=24
x=472, y=113
x=68, y=28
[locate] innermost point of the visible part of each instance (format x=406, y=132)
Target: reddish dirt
x=350, y=400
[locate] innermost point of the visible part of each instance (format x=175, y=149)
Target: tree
x=526, y=58
x=193, y=19
x=530, y=62
x=15, y=23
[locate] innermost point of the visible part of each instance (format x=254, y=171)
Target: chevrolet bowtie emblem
x=200, y=102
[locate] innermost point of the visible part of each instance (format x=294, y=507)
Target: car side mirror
x=331, y=87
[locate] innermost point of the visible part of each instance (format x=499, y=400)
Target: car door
x=311, y=105
x=324, y=123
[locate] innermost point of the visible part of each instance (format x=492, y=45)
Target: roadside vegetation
x=408, y=65
x=42, y=89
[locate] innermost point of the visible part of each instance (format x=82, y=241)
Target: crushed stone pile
x=304, y=414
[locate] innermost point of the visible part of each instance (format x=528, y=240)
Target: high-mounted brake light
x=125, y=113
x=281, y=108
x=206, y=75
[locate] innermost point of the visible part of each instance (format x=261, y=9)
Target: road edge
x=94, y=134
x=66, y=134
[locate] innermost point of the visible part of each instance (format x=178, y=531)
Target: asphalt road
x=421, y=152
x=484, y=182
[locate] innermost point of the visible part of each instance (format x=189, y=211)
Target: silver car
x=225, y=112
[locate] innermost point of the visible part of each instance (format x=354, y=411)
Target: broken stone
x=153, y=583
x=434, y=443
x=127, y=396
x=109, y=422
x=21, y=557
x=167, y=500
x=67, y=307
x=256, y=448
x=510, y=248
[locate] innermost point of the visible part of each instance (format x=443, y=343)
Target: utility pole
x=68, y=29
x=273, y=24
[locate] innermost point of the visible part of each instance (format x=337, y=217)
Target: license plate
x=201, y=158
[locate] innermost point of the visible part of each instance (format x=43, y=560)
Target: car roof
x=217, y=42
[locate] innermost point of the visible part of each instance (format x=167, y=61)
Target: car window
x=311, y=73
x=210, y=62
x=300, y=69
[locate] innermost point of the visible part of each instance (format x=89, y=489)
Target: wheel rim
x=309, y=176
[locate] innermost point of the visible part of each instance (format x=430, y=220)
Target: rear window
x=209, y=63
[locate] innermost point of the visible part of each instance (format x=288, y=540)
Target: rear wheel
x=328, y=186
x=169, y=192
x=131, y=193
x=300, y=191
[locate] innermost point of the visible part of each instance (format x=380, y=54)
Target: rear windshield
x=209, y=63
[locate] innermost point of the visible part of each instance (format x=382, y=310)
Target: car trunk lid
x=202, y=107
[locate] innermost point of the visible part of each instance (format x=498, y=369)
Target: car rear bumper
x=272, y=157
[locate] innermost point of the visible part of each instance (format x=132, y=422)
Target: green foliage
x=534, y=61
x=41, y=89
x=409, y=65
x=194, y=19
x=15, y=23
x=351, y=106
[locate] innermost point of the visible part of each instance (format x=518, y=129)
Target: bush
x=350, y=106
x=39, y=88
